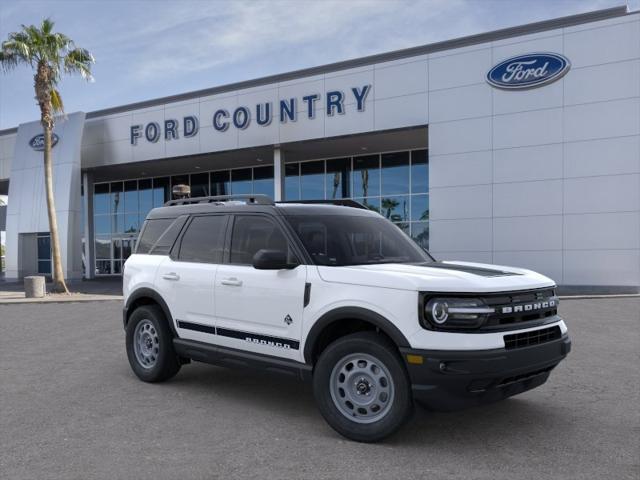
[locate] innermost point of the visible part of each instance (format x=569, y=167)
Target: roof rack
x=340, y=202
x=257, y=199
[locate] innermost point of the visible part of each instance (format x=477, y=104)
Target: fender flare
x=145, y=292
x=356, y=313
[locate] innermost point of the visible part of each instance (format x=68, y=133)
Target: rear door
x=259, y=310
x=187, y=277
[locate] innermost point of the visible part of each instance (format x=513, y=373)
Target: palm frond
x=79, y=60
x=8, y=60
x=56, y=101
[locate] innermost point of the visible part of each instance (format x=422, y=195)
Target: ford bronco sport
x=337, y=295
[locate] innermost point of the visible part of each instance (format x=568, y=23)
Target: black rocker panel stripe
x=268, y=340
x=197, y=327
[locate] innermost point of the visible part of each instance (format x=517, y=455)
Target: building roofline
x=535, y=27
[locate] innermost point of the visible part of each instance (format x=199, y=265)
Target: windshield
x=339, y=240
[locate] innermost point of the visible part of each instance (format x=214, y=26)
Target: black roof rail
x=257, y=199
x=341, y=202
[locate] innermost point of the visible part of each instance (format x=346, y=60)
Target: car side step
x=230, y=357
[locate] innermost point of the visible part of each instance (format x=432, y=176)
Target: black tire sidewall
x=167, y=364
x=379, y=347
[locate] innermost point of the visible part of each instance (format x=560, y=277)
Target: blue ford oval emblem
x=37, y=142
x=528, y=71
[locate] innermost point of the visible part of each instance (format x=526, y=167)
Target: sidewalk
x=81, y=291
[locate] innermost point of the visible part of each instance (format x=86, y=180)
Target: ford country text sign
x=528, y=71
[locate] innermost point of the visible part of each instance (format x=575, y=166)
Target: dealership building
x=516, y=147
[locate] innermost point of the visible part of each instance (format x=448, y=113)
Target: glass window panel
x=338, y=179
x=179, y=180
x=131, y=203
x=102, y=224
x=420, y=234
x=419, y=171
x=44, y=247
x=366, y=176
x=164, y=244
x=312, y=180
x=199, y=185
x=419, y=207
x=370, y=203
x=101, y=198
x=241, y=181
x=404, y=227
x=395, y=173
x=203, y=240
x=103, y=247
x=160, y=191
x=253, y=233
x=44, y=266
x=117, y=223
x=220, y=184
x=145, y=196
x=128, y=245
x=292, y=181
x=395, y=209
x=117, y=268
x=103, y=267
x=117, y=247
x=117, y=197
x=263, y=180
x=153, y=229
x=131, y=223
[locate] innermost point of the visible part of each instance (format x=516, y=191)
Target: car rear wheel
x=362, y=388
x=150, y=345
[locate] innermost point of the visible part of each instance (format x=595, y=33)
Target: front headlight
x=456, y=312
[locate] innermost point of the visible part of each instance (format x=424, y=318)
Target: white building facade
x=516, y=147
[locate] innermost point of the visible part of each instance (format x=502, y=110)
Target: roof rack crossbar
x=257, y=199
x=345, y=202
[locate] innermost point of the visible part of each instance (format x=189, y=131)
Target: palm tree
x=50, y=55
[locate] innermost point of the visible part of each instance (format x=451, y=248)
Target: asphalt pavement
x=70, y=408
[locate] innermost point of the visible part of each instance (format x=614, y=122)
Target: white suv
x=338, y=295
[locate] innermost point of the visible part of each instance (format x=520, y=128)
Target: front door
x=259, y=310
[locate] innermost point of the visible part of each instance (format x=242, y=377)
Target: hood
x=459, y=277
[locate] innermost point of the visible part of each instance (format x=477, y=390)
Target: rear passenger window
x=253, y=233
x=159, y=234
x=203, y=241
x=151, y=233
x=168, y=238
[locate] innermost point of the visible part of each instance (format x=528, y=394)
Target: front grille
x=515, y=300
x=534, y=337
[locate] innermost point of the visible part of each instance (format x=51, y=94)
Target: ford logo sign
x=37, y=142
x=528, y=71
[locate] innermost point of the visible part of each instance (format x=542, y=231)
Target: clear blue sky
x=149, y=49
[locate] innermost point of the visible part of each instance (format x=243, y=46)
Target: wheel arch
x=147, y=296
x=330, y=321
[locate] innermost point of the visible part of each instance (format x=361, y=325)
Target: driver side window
x=252, y=233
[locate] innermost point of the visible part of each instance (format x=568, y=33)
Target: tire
x=376, y=385
x=151, y=356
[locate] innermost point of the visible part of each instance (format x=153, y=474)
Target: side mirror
x=271, y=260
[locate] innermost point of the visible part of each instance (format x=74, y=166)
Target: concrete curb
x=61, y=299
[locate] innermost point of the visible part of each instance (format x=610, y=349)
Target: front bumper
x=450, y=380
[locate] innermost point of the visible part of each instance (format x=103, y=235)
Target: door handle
x=231, y=282
x=171, y=276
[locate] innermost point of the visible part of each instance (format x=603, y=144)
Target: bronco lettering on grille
x=529, y=307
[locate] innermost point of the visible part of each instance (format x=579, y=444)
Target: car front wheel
x=362, y=388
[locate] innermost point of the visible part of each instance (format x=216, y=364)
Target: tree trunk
x=59, y=284
x=43, y=95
